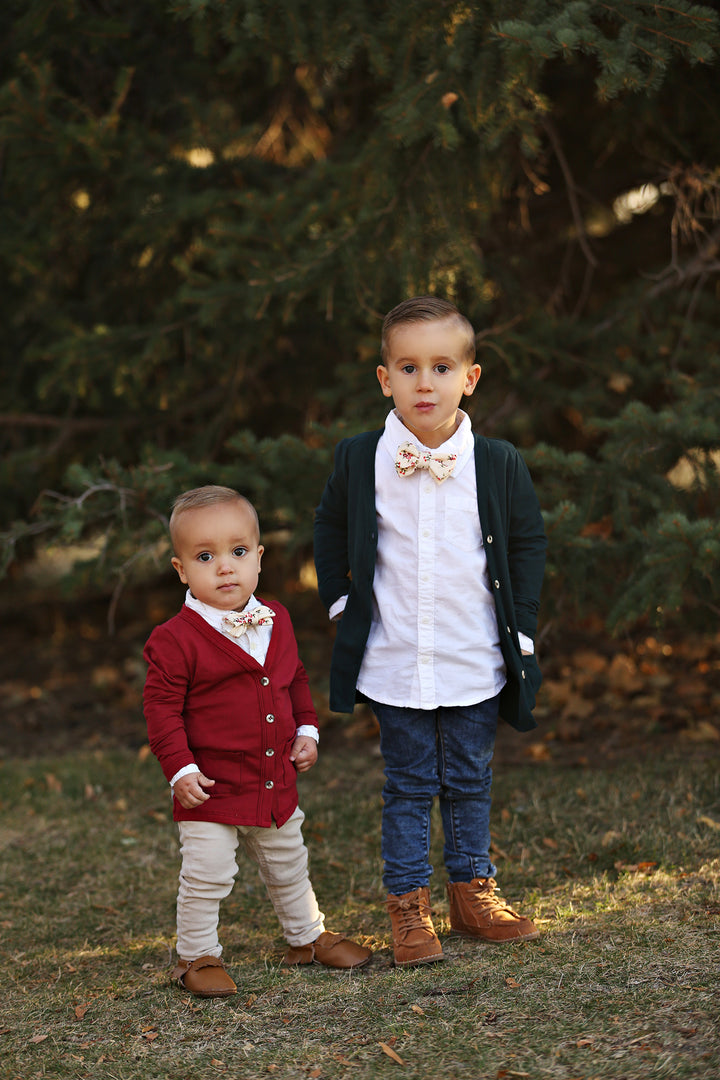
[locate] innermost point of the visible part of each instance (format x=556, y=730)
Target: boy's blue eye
x=239, y=551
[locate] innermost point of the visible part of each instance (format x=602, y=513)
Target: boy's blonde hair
x=425, y=309
x=201, y=497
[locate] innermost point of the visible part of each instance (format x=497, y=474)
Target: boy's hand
x=189, y=792
x=304, y=753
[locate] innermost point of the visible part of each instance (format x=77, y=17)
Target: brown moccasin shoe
x=414, y=937
x=477, y=911
x=331, y=950
x=205, y=977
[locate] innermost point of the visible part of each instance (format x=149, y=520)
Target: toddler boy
x=430, y=551
x=231, y=720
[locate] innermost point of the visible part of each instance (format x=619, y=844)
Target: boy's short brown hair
x=425, y=309
x=201, y=497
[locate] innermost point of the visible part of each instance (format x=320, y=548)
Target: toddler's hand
x=189, y=790
x=304, y=753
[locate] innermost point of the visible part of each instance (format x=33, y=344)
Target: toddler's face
x=218, y=555
x=426, y=374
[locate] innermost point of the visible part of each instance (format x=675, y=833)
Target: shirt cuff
x=337, y=608
x=526, y=644
x=310, y=731
x=185, y=771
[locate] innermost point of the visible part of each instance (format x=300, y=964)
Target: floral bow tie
x=411, y=457
x=235, y=623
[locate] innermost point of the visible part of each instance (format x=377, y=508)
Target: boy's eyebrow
x=434, y=359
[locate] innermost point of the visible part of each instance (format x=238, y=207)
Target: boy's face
x=426, y=374
x=218, y=554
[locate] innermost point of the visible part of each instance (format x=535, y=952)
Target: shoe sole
x=435, y=959
x=496, y=941
x=338, y=967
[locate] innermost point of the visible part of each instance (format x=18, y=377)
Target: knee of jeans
x=467, y=788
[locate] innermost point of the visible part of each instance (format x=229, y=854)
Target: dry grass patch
x=620, y=869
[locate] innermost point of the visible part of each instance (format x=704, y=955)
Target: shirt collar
x=214, y=615
x=460, y=442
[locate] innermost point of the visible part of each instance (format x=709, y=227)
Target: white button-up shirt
x=434, y=638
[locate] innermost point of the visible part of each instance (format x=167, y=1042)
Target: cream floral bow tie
x=410, y=457
x=235, y=623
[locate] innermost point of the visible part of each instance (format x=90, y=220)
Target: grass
x=619, y=868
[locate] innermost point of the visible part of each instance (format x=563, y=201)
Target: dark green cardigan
x=346, y=535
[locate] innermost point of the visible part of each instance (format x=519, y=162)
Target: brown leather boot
x=477, y=911
x=205, y=977
x=414, y=938
x=330, y=950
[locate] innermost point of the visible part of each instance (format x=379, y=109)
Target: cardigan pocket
x=222, y=766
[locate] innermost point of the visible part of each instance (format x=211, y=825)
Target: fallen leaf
x=549, y=842
x=538, y=751
x=705, y=820
x=418, y=1010
x=449, y=99
x=39, y=1038
x=144, y=753
x=703, y=731
x=509, y=981
x=53, y=784
x=80, y=1010
x=315, y=1073
x=150, y=1036
x=391, y=1053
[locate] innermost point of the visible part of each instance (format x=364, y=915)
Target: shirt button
x=496, y=583
x=269, y=784
x=489, y=539
x=264, y=681
x=270, y=718
x=270, y=753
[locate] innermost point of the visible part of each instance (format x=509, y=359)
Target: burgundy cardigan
x=208, y=701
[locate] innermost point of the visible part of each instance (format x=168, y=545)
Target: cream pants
x=208, y=873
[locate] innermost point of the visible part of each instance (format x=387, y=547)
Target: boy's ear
x=471, y=379
x=179, y=568
x=384, y=379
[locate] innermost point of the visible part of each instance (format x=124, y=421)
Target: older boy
x=430, y=550
x=231, y=720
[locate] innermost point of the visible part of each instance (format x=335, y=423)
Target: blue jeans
x=428, y=752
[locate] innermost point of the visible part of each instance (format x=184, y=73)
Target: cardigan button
x=489, y=539
x=270, y=753
x=496, y=583
x=269, y=784
x=264, y=681
x=270, y=718
x=508, y=630
x=523, y=674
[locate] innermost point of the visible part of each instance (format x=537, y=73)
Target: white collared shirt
x=255, y=641
x=434, y=638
